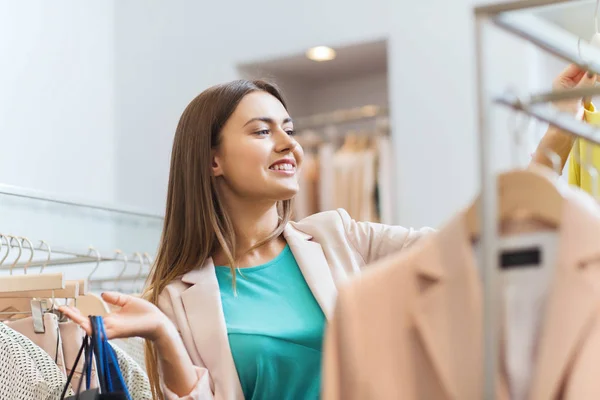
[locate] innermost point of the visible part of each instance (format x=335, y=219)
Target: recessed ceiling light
x=321, y=53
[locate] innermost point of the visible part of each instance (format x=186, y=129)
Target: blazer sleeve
x=203, y=389
x=374, y=241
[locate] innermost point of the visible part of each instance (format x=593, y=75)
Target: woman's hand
x=556, y=141
x=136, y=317
x=572, y=77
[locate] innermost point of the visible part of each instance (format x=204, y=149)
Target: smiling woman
x=239, y=296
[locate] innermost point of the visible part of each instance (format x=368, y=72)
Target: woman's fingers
x=115, y=298
x=76, y=316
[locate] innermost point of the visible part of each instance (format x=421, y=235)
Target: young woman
x=239, y=296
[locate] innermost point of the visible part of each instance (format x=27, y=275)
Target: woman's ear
x=216, y=164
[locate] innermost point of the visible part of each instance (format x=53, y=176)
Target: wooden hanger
x=525, y=192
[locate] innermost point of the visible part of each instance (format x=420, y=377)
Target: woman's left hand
x=136, y=317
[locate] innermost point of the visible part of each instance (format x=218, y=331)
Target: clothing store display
x=50, y=341
x=134, y=376
x=329, y=248
x=134, y=347
x=411, y=328
x=585, y=155
x=270, y=338
x=23, y=378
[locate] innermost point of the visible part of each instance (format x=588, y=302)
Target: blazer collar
x=452, y=340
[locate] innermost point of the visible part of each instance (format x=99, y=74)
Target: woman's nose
x=284, y=142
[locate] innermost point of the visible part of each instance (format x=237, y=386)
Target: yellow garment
x=580, y=156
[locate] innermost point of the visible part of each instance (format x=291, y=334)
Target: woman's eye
x=291, y=132
x=262, y=132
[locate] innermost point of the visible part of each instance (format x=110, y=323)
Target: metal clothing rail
x=341, y=117
x=497, y=14
x=547, y=113
x=58, y=199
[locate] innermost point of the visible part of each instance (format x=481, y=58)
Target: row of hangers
x=35, y=294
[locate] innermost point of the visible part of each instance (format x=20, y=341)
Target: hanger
x=20, y=283
x=137, y=293
x=90, y=303
x=70, y=290
x=119, y=253
x=522, y=194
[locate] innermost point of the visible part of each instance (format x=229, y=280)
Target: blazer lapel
x=448, y=310
x=204, y=310
x=314, y=266
x=572, y=302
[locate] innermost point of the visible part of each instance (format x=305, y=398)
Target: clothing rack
x=18, y=253
x=341, y=117
x=537, y=106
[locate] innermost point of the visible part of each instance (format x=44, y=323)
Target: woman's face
x=258, y=157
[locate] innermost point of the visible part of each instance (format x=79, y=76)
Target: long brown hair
x=196, y=222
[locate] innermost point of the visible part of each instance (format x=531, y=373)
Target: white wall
x=433, y=100
x=57, y=96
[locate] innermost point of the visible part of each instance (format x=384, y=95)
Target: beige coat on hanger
x=411, y=328
x=329, y=248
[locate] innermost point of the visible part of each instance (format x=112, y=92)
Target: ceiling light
x=321, y=53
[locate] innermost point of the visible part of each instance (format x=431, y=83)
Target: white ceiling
x=353, y=60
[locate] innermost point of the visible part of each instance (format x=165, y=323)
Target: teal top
x=275, y=328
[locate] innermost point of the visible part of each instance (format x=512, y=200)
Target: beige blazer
x=329, y=248
x=411, y=327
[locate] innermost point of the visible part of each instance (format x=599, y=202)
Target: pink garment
x=50, y=341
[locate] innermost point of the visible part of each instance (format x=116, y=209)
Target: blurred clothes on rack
x=585, y=153
x=49, y=341
x=411, y=327
x=27, y=374
x=306, y=202
x=134, y=347
x=357, y=177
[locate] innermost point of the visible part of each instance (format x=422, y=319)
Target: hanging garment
x=326, y=178
x=306, y=201
x=134, y=376
x=412, y=327
x=24, y=377
x=329, y=248
x=385, y=180
x=49, y=341
x=47, y=366
x=135, y=348
x=584, y=153
x=355, y=180
x=72, y=338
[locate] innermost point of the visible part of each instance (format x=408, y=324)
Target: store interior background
x=91, y=92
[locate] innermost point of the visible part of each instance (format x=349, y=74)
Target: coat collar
x=452, y=341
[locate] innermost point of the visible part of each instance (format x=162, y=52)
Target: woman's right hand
x=572, y=77
x=135, y=317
